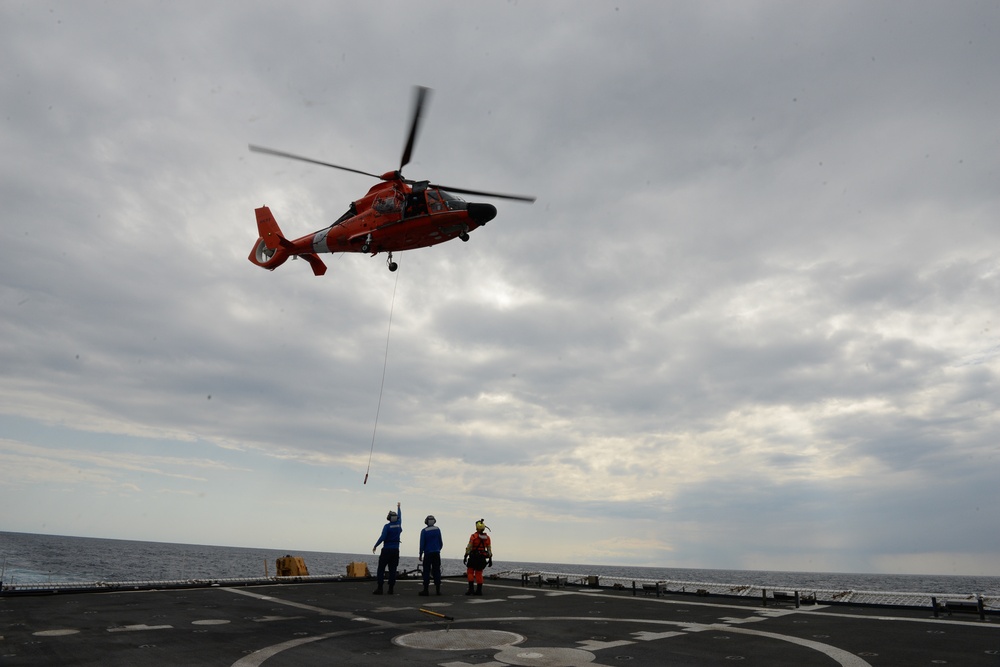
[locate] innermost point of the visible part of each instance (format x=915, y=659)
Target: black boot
x=437, y=589
x=479, y=589
x=377, y=591
x=423, y=592
x=470, y=591
x=390, y=590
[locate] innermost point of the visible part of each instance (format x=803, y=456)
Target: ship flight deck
x=343, y=623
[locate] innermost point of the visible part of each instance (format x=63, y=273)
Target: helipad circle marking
x=55, y=633
x=842, y=657
x=458, y=639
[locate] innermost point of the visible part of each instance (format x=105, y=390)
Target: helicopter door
x=416, y=203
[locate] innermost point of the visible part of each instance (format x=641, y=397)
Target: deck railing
x=765, y=593
x=800, y=595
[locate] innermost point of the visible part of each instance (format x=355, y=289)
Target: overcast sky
x=750, y=322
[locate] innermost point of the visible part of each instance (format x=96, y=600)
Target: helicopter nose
x=482, y=213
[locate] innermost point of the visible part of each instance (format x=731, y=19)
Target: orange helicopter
x=397, y=214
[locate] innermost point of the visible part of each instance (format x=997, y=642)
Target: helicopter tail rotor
x=267, y=258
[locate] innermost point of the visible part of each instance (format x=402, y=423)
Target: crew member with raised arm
x=389, y=557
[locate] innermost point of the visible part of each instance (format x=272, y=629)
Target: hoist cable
x=385, y=362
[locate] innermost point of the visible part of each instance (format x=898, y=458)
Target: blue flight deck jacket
x=430, y=540
x=391, y=532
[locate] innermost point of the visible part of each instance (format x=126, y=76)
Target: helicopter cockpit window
x=388, y=204
x=434, y=201
x=452, y=202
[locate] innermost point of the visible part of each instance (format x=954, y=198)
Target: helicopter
x=396, y=214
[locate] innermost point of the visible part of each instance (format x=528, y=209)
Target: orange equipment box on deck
x=357, y=570
x=291, y=566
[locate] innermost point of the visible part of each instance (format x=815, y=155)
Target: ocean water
x=27, y=558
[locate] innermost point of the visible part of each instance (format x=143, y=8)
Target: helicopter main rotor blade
x=290, y=156
x=481, y=193
x=419, y=99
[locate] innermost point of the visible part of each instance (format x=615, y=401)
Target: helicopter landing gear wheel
x=464, y=237
x=391, y=264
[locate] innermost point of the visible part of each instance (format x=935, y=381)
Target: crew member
x=431, y=545
x=478, y=555
x=389, y=557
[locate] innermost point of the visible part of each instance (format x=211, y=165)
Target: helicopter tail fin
x=268, y=228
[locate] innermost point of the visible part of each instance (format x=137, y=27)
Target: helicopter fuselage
x=393, y=216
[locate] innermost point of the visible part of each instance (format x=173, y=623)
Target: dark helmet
x=430, y=520
x=391, y=516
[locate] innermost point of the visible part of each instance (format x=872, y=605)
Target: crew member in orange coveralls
x=478, y=555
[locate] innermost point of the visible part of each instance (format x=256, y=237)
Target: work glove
x=373, y=549
x=465, y=561
x=489, y=563
x=420, y=558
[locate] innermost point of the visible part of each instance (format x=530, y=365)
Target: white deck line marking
x=52, y=633
x=139, y=628
x=844, y=658
x=596, y=645
x=903, y=619
x=307, y=607
x=643, y=636
x=257, y=658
